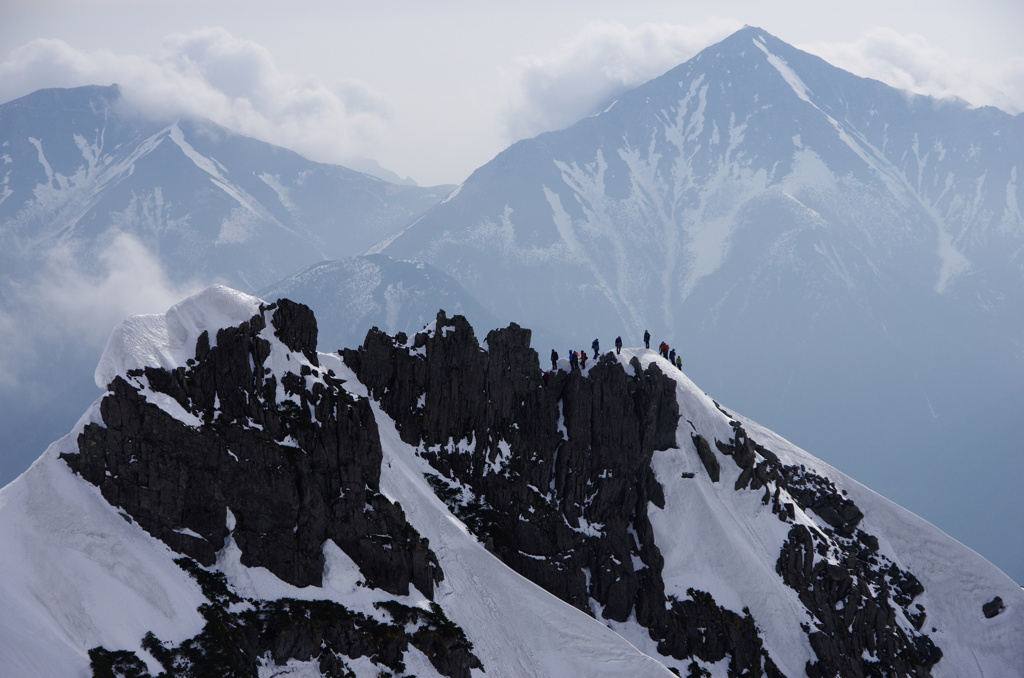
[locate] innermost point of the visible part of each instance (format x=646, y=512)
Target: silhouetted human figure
x=618, y=345
x=596, y=347
x=583, y=359
x=647, y=339
x=554, y=360
x=672, y=356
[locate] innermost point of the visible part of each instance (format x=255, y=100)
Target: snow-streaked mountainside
x=107, y=206
x=240, y=504
x=78, y=166
x=840, y=258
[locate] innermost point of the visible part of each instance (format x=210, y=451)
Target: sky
x=433, y=90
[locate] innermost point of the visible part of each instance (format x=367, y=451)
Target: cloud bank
x=237, y=83
x=604, y=60
x=910, y=62
x=210, y=73
x=69, y=308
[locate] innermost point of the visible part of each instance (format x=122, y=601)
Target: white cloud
x=910, y=62
x=234, y=82
x=127, y=279
x=69, y=308
x=555, y=90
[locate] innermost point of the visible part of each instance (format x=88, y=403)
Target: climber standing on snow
x=618, y=345
x=596, y=348
x=647, y=339
x=583, y=359
x=573, y=360
x=554, y=360
x=672, y=356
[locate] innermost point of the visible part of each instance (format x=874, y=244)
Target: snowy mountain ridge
x=700, y=541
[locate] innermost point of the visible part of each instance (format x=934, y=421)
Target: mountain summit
x=239, y=504
x=835, y=256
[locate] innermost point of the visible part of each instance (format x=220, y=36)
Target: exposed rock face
x=293, y=473
x=854, y=592
x=241, y=636
x=279, y=468
x=553, y=473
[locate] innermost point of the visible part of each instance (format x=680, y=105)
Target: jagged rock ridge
x=278, y=469
x=263, y=480
x=553, y=471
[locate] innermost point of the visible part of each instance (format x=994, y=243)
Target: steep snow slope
x=727, y=538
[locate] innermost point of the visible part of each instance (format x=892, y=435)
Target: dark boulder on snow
x=992, y=607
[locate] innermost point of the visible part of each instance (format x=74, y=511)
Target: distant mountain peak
x=796, y=228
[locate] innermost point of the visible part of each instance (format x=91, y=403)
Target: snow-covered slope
x=166, y=465
x=80, y=573
x=835, y=256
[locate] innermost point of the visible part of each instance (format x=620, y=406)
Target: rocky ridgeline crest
x=551, y=471
x=557, y=477
x=553, y=474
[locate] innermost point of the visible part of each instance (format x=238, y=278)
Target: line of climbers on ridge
x=578, y=359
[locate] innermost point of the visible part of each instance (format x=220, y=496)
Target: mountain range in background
x=831, y=255
x=836, y=258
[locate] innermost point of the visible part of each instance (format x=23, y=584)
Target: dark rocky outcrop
x=240, y=634
x=293, y=472
x=854, y=592
x=992, y=607
x=552, y=472
x=279, y=468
